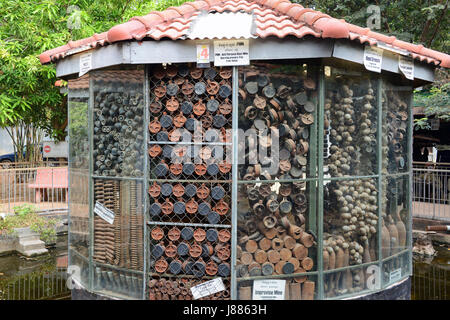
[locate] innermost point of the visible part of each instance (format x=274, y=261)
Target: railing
x=40, y=187
x=23, y=165
x=431, y=192
x=37, y=286
x=430, y=282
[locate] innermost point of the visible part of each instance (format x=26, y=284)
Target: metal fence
x=44, y=187
x=431, y=192
x=430, y=282
x=37, y=286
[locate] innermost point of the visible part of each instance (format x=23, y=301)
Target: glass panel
x=302, y=287
x=118, y=247
x=396, y=106
x=396, y=215
x=350, y=232
x=118, y=123
x=396, y=268
x=78, y=105
x=277, y=111
x=350, y=143
x=351, y=281
x=274, y=230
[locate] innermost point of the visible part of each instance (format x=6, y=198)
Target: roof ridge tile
x=273, y=17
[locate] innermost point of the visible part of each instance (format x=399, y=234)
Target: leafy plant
x=25, y=216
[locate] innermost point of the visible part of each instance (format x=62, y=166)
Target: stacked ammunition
x=163, y=289
x=118, y=123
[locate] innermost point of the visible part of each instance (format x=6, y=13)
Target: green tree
x=30, y=104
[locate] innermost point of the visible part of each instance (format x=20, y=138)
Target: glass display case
x=294, y=174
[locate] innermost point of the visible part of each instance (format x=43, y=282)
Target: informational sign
x=231, y=53
x=85, y=63
x=55, y=149
x=207, y=288
x=395, y=275
x=406, y=66
x=269, y=289
x=104, y=212
x=203, y=53
x=373, y=58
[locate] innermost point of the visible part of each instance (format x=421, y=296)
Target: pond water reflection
x=38, y=278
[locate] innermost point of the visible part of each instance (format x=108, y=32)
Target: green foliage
x=419, y=21
x=29, y=27
x=25, y=216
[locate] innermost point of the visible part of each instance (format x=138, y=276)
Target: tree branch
x=438, y=23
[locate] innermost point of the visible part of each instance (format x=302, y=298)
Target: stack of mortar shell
x=189, y=104
x=195, y=203
x=272, y=240
x=118, y=119
x=281, y=106
x=190, y=251
x=180, y=289
x=395, y=124
x=350, y=218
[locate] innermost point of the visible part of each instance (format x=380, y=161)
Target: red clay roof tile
x=279, y=18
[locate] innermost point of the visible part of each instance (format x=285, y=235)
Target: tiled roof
x=277, y=18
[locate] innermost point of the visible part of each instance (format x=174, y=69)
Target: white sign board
x=395, y=275
x=269, y=289
x=104, y=212
x=85, y=63
x=231, y=53
x=406, y=66
x=52, y=149
x=207, y=288
x=203, y=53
x=373, y=58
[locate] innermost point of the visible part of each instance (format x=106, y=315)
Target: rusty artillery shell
x=308, y=288
x=213, y=217
x=183, y=249
x=161, y=265
x=221, y=208
x=154, y=126
x=196, y=73
x=224, y=235
x=199, y=268
x=179, y=207
x=158, y=250
x=307, y=263
x=178, y=190
x=167, y=207
x=199, y=234
x=170, y=250
x=195, y=250
x=273, y=256
x=174, y=234
x=155, y=209
x=175, y=267
x=157, y=233
x=154, y=190
x=155, y=106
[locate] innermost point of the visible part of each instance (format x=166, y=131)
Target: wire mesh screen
x=189, y=190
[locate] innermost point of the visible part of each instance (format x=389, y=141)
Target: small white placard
x=373, y=58
x=203, y=53
x=231, y=53
x=395, y=275
x=104, y=212
x=406, y=66
x=269, y=289
x=85, y=63
x=207, y=288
